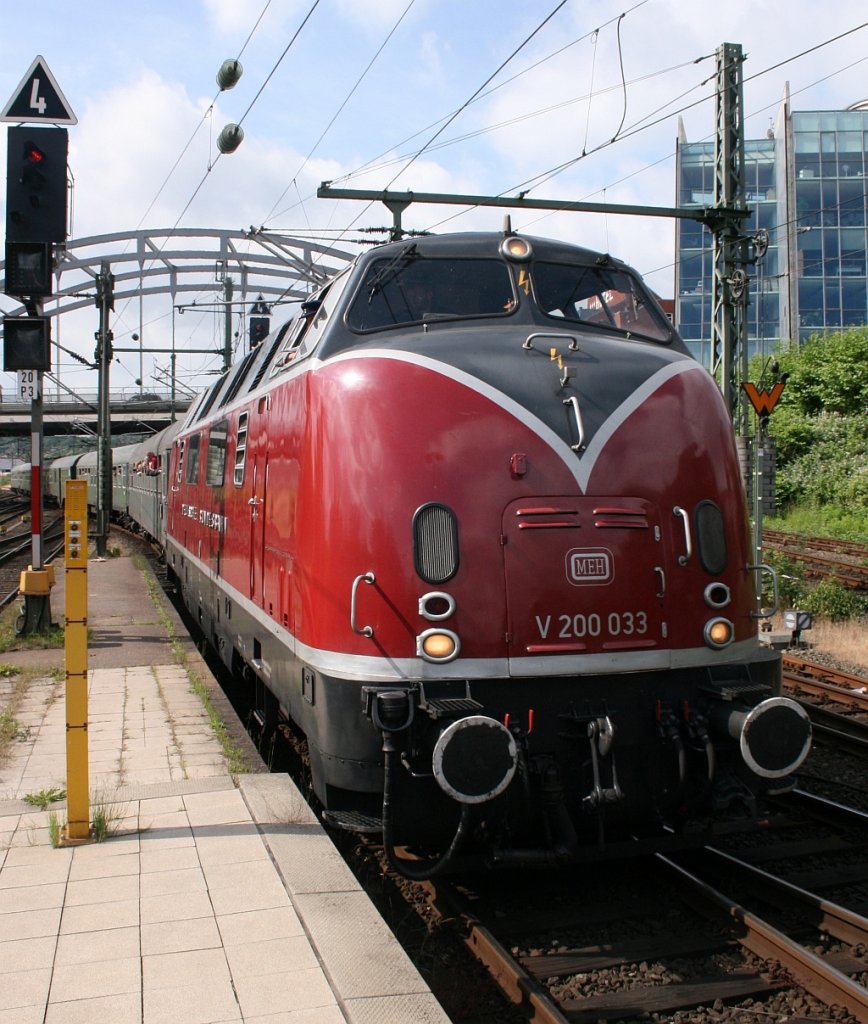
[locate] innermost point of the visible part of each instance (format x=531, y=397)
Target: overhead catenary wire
x=538, y=180
x=635, y=127
x=377, y=162
x=415, y=156
x=250, y=106
x=343, y=104
x=206, y=116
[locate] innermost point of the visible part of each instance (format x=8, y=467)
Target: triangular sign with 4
x=38, y=98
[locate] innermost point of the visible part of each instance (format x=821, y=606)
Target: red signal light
x=33, y=154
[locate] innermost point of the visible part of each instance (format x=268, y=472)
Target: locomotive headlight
x=718, y=633
x=515, y=248
x=436, y=606
x=438, y=645
x=717, y=595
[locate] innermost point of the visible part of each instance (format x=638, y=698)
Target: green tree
x=821, y=431
x=828, y=373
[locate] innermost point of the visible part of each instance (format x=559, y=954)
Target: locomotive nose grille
x=435, y=543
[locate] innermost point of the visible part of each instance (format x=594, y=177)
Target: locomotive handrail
x=528, y=341
x=580, y=426
x=688, y=543
x=367, y=577
x=775, y=599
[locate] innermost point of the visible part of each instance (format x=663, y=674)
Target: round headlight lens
x=718, y=633
x=437, y=645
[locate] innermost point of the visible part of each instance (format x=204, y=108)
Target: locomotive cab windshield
x=411, y=286
x=599, y=297
x=411, y=289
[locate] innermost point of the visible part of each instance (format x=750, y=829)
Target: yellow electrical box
x=36, y=582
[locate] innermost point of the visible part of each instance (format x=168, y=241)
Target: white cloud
x=231, y=17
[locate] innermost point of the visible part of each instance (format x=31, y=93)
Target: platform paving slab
x=213, y=899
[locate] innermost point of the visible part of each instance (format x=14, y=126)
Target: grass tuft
x=44, y=797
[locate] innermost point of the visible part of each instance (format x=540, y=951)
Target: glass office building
x=805, y=185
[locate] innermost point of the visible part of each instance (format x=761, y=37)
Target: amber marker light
x=718, y=633
x=438, y=645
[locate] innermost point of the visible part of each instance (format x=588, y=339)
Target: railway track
x=16, y=548
x=836, y=701
x=851, y=549
x=821, y=557
x=663, y=939
x=780, y=927
x=824, y=678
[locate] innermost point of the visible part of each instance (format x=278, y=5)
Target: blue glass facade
x=805, y=184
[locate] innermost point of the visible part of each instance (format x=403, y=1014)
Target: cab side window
x=305, y=334
x=215, y=463
x=193, y=459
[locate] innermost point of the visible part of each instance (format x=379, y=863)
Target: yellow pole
x=75, y=646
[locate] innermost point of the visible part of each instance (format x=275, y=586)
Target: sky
x=564, y=99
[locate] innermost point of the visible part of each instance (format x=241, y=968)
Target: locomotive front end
x=538, y=564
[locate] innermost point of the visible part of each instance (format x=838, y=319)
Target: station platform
x=213, y=897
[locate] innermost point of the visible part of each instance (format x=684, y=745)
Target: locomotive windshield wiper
x=397, y=265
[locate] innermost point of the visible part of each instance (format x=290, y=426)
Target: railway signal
x=260, y=322
x=27, y=342
x=36, y=217
x=36, y=184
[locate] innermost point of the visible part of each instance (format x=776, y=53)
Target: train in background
x=473, y=521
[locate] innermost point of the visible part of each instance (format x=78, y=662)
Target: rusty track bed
x=780, y=538
x=836, y=701
x=807, y=672
x=843, y=561
x=526, y=981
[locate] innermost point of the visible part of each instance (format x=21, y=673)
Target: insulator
x=229, y=73
x=230, y=138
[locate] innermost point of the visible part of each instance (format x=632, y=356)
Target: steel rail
x=827, y=810
x=808, y=970
x=841, y=695
x=520, y=987
x=800, y=669
x=845, y=925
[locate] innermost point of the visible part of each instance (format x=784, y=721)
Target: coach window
x=179, y=475
x=216, y=461
x=241, y=450
x=193, y=459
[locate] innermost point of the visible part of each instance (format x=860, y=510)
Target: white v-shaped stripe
x=580, y=467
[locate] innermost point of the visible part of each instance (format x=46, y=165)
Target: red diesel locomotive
x=474, y=521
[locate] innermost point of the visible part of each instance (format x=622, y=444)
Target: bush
x=791, y=583
x=834, y=601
